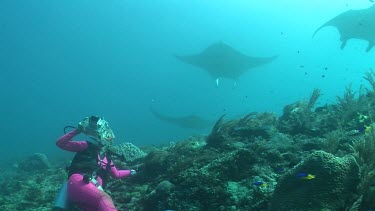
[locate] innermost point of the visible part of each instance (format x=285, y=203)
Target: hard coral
x=335, y=180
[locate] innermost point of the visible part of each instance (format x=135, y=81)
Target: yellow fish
x=305, y=176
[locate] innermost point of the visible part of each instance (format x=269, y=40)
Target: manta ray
x=355, y=24
x=189, y=121
x=222, y=61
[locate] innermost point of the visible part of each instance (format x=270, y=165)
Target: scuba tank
x=62, y=202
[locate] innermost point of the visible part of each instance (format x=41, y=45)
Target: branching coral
x=298, y=117
x=365, y=150
x=246, y=129
x=370, y=77
x=313, y=98
x=215, y=138
x=365, y=156
x=348, y=101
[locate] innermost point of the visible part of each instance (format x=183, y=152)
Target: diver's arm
x=118, y=174
x=65, y=142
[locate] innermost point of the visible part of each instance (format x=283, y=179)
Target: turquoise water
x=63, y=60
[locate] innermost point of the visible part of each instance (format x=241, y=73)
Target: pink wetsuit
x=86, y=195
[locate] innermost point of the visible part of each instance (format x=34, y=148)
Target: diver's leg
x=106, y=202
x=87, y=196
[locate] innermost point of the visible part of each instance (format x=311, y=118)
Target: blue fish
x=260, y=184
x=305, y=176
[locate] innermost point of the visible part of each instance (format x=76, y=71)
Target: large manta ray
x=222, y=61
x=355, y=24
x=190, y=121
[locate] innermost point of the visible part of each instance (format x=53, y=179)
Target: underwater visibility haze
x=193, y=77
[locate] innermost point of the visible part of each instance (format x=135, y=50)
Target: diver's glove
x=133, y=172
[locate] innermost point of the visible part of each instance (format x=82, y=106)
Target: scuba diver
x=90, y=167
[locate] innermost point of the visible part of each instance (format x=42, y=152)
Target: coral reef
x=335, y=180
x=34, y=191
x=247, y=163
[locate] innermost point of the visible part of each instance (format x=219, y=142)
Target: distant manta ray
x=222, y=61
x=190, y=121
x=355, y=24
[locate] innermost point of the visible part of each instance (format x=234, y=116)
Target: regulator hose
x=66, y=127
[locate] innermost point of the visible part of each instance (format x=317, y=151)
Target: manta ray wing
x=354, y=24
x=222, y=61
x=190, y=121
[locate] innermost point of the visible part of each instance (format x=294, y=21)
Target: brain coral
x=335, y=180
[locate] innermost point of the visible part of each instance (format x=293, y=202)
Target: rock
x=163, y=188
x=35, y=162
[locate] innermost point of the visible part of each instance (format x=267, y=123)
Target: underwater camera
x=97, y=128
x=94, y=124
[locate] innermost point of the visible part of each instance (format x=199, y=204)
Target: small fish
x=361, y=130
x=364, y=129
x=260, y=184
x=305, y=176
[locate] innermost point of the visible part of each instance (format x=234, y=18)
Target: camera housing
x=93, y=123
x=99, y=129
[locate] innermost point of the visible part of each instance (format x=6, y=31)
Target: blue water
x=61, y=61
